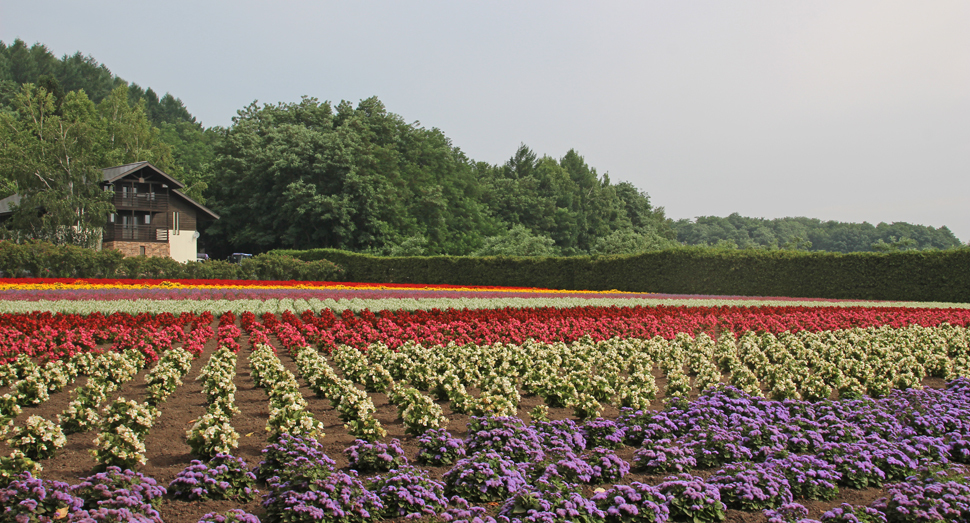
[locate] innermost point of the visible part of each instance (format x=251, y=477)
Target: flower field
x=187, y=401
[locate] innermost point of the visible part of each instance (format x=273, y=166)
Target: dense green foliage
x=53, y=151
x=187, y=145
x=737, y=231
x=43, y=259
x=938, y=275
x=358, y=178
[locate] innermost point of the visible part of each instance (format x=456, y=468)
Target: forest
x=357, y=177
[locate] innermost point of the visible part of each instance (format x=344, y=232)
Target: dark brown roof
x=5, y=203
x=201, y=207
x=112, y=174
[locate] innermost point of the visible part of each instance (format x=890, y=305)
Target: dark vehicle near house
x=238, y=257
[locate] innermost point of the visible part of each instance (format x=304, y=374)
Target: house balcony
x=135, y=233
x=140, y=201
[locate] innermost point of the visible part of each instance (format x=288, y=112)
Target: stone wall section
x=152, y=249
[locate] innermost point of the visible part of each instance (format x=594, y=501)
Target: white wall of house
x=183, y=246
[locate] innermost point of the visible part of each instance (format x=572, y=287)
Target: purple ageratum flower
x=568, y=470
x=460, y=511
x=410, y=493
x=507, y=436
x=115, y=488
x=601, y=432
x=607, y=466
x=689, y=498
x=633, y=503
x=798, y=438
x=898, y=458
x=925, y=499
x=338, y=497
x=808, y=476
x=639, y=426
x=959, y=386
x=112, y=515
x=751, y=486
x=663, y=456
x=222, y=477
x=376, y=457
x=847, y=513
x=541, y=505
x=788, y=513
x=560, y=437
x=26, y=496
x=234, y=515
x=855, y=462
x=285, y=450
x=714, y=445
x=485, y=476
x=438, y=448
x=959, y=447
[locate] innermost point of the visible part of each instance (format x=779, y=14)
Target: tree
x=55, y=162
x=518, y=241
x=629, y=241
x=55, y=157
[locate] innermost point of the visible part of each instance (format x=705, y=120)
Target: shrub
x=375, y=457
x=233, y=515
x=689, y=498
x=809, y=477
x=338, y=497
x=118, y=490
x=438, y=448
x=410, y=493
x=486, y=476
x=846, y=513
x=925, y=499
x=633, y=503
x=222, y=477
x=15, y=464
x=603, y=433
x=507, y=436
x=294, y=460
x=787, y=513
x=607, y=466
x=27, y=496
x=751, y=486
x=535, y=504
x=37, y=438
x=664, y=455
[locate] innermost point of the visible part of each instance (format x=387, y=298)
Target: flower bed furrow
x=792, y=410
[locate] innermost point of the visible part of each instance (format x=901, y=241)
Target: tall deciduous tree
x=54, y=160
x=54, y=157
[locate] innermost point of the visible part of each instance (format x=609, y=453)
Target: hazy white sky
x=841, y=110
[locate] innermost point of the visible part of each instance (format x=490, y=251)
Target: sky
x=839, y=110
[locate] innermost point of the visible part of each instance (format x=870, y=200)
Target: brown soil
x=168, y=453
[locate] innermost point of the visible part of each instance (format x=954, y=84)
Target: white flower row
x=213, y=433
x=278, y=306
x=288, y=412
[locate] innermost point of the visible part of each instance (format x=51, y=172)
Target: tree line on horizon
x=313, y=174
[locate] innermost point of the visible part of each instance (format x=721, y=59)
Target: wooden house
x=152, y=218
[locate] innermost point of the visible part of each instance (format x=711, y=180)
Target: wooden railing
x=142, y=201
x=135, y=233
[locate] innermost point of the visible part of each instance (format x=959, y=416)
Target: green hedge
x=909, y=275
x=41, y=259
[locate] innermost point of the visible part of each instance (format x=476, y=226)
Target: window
x=148, y=219
x=175, y=221
x=141, y=250
x=111, y=217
